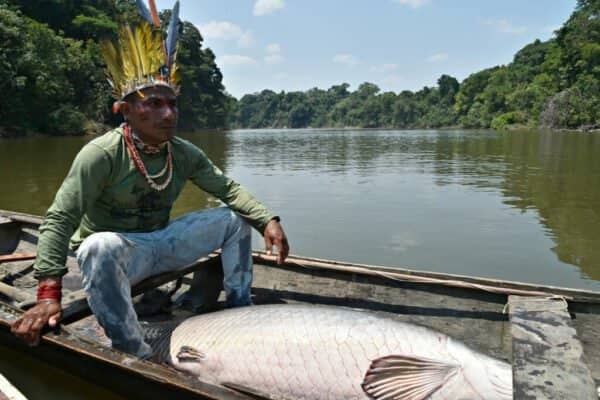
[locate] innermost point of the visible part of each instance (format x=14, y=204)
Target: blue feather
x=144, y=11
x=172, y=34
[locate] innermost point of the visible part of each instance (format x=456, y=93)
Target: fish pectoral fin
x=191, y=354
x=406, y=377
x=253, y=393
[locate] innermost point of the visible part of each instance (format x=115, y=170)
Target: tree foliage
x=54, y=78
x=555, y=84
x=54, y=81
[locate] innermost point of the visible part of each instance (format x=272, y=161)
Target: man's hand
x=29, y=326
x=274, y=235
x=46, y=311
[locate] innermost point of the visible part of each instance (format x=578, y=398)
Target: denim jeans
x=111, y=262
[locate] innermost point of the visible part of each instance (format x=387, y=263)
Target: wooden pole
x=17, y=257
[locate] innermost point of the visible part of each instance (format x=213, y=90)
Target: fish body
x=319, y=352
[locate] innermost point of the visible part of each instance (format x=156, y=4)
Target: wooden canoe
x=550, y=334
x=8, y=391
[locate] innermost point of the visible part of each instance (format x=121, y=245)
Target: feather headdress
x=141, y=58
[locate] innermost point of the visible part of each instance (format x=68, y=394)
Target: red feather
x=154, y=13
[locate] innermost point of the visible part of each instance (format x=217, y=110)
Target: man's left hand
x=274, y=235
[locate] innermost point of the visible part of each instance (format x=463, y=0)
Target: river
x=520, y=205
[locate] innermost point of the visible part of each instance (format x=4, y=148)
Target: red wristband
x=49, y=292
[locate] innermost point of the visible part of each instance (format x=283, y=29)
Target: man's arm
x=212, y=180
x=81, y=187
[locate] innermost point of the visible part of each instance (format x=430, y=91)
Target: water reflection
x=512, y=205
x=553, y=174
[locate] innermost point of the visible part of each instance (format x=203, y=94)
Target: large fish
x=318, y=352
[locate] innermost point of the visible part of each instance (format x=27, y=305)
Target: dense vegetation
x=54, y=83
x=553, y=84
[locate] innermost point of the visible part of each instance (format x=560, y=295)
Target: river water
x=510, y=205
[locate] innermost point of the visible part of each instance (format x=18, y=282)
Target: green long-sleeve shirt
x=104, y=191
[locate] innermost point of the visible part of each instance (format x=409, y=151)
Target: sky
x=396, y=44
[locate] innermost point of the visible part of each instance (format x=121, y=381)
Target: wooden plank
x=17, y=257
x=76, y=351
x=15, y=294
x=13, y=270
x=22, y=217
x=548, y=358
x=434, y=278
x=8, y=391
x=75, y=305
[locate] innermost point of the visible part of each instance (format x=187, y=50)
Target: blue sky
x=396, y=44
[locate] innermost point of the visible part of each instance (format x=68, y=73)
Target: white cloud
x=235, y=59
x=273, y=48
x=225, y=30
x=384, y=68
x=273, y=58
x=273, y=54
x=412, y=3
x=391, y=80
x=437, y=58
x=503, y=26
x=347, y=59
x=265, y=7
x=246, y=39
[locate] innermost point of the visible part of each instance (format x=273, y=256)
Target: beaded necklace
x=139, y=164
x=146, y=148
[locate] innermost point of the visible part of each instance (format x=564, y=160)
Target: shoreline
x=96, y=133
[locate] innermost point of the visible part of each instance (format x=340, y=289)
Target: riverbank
x=90, y=128
x=100, y=129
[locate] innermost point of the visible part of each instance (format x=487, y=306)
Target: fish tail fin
x=406, y=377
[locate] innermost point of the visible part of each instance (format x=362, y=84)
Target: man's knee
x=98, y=244
x=102, y=249
x=240, y=223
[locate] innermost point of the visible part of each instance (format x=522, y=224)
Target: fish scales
x=319, y=352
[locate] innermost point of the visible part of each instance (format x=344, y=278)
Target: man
x=117, y=198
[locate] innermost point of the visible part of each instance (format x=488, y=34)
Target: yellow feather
x=132, y=52
x=174, y=76
x=114, y=65
x=141, y=41
x=158, y=54
x=136, y=59
x=124, y=54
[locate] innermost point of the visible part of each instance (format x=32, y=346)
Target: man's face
x=153, y=114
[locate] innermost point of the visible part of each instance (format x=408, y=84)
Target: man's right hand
x=30, y=325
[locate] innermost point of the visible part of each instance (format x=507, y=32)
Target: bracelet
x=49, y=292
x=48, y=301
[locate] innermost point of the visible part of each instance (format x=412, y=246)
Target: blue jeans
x=111, y=262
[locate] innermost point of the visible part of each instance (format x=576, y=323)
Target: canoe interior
x=474, y=317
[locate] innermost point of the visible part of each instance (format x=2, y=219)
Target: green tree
x=203, y=102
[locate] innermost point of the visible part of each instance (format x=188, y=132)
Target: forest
x=54, y=81
x=54, y=78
